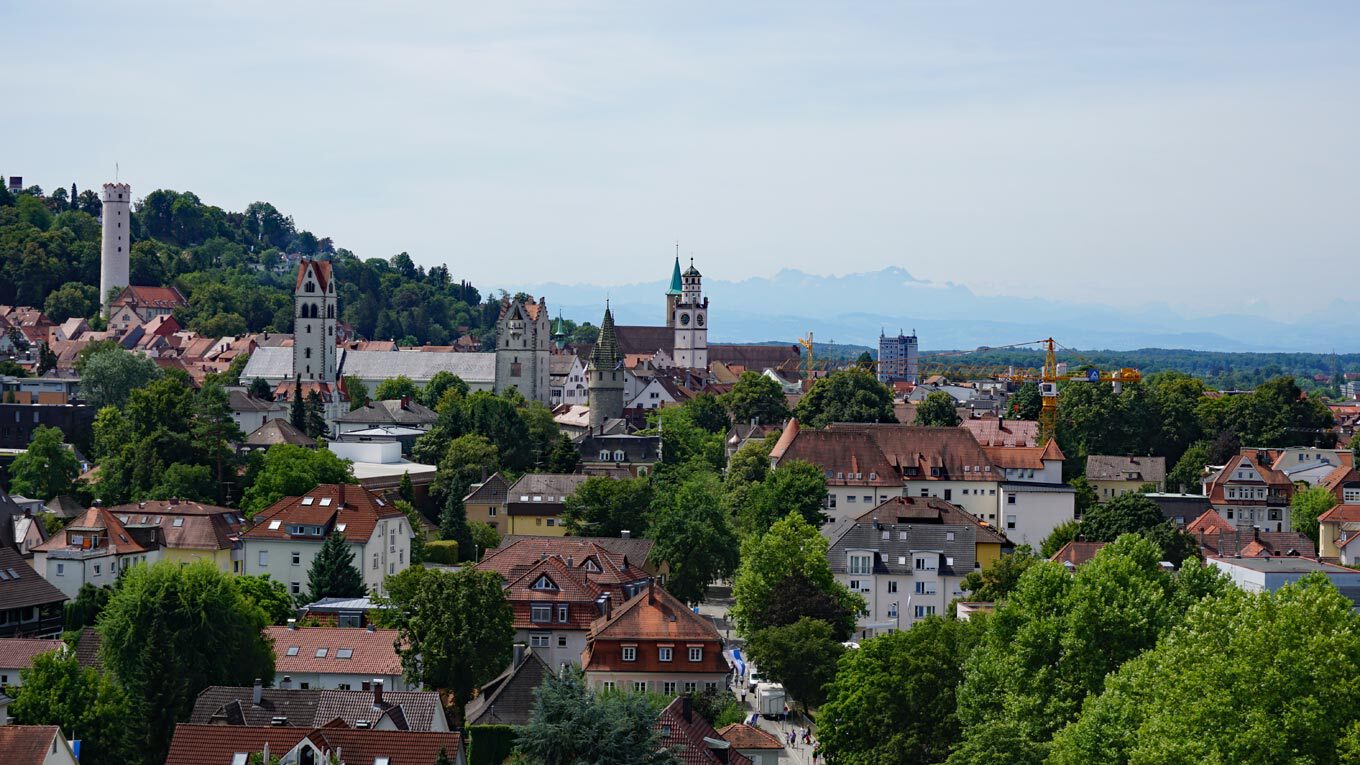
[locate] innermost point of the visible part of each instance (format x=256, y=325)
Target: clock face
x=699, y=320
x=684, y=319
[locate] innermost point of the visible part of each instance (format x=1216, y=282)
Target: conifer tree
x=314, y=419
x=404, y=489
x=453, y=523
x=297, y=411
x=333, y=574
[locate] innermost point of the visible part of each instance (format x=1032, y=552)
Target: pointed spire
x=605, y=355
x=676, y=286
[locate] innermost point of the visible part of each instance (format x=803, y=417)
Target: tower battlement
x=117, y=192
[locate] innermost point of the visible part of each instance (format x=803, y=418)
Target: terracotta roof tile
x=112, y=535
x=1108, y=467
x=27, y=744
x=693, y=740
x=1077, y=552
x=744, y=736
x=373, y=651
x=329, y=505
x=18, y=653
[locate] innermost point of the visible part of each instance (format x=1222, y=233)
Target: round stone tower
x=115, y=249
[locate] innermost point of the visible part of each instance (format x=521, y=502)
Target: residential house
x=376, y=708
x=618, y=453
x=250, y=413
x=693, y=740
x=1248, y=491
x=557, y=593
x=30, y=606
x=190, y=531
x=485, y=503
x=340, y=612
x=756, y=745
x=1179, y=508
x=1114, y=475
x=534, y=504
x=276, y=431
x=1076, y=553
x=95, y=549
x=138, y=305
x=403, y=413
x=287, y=535
x=336, y=658
x=35, y=745
x=235, y=745
x=1309, y=464
x=1219, y=537
x=1338, y=530
x=17, y=654
x=994, y=431
x=509, y=698
x=654, y=643
x=528, y=549
x=567, y=379
x=930, y=511
x=904, y=571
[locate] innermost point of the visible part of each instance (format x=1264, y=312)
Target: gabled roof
x=218, y=744
x=18, y=653
x=992, y=431
x=551, y=581
x=320, y=268
x=365, y=746
x=549, y=487
x=509, y=698
x=1077, y=552
x=372, y=650
x=933, y=453
x=234, y=705
x=26, y=589
x=411, y=710
x=328, y=505
x=492, y=491
x=28, y=744
x=1209, y=522
x=517, y=555
x=846, y=457
x=278, y=431
x=743, y=736
x=1341, y=514
x=394, y=412
x=185, y=524
x=694, y=742
x=654, y=614
x=1108, y=467
x=113, y=536
x=931, y=510
x=1024, y=457
x=158, y=297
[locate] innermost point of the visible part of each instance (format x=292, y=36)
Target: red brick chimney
x=377, y=691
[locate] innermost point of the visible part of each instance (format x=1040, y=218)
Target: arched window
x=330, y=311
x=310, y=287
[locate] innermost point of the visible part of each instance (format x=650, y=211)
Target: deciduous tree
x=801, y=656
x=394, y=388
x=851, y=395
x=288, y=470
x=937, y=409
x=86, y=705
x=758, y=398
x=270, y=595
x=1305, y=507
x=47, y=468
x=693, y=535
x=571, y=725
x=606, y=507
x=791, y=546
x=110, y=375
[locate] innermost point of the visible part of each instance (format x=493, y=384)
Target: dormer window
x=618, y=455
x=543, y=583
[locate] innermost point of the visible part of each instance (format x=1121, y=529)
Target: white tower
x=314, y=322
x=691, y=322
x=115, y=248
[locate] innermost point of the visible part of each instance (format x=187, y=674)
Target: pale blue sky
x=1198, y=153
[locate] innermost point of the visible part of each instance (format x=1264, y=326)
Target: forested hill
x=227, y=264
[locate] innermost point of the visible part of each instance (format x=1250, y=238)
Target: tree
x=357, y=392
x=442, y=382
x=419, y=536
x=394, y=388
x=707, y=412
x=758, y=398
x=86, y=705
x=850, y=395
x=468, y=459
x=297, y=406
x=47, y=468
x=1086, y=496
x=453, y=525
x=571, y=725
x=455, y=629
x=564, y=457
x=893, y=699
x=801, y=656
x=938, y=410
x=999, y=741
x=314, y=420
x=1125, y=514
x=794, y=487
x=71, y=300
x=606, y=507
x=998, y=580
x=1060, y=535
x=193, y=482
x=1186, y=475
x=796, y=596
x=693, y=535
x=170, y=631
x=110, y=375
x=333, y=574
x=1305, y=507
x=288, y=470
x=85, y=609
x=484, y=536
x=405, y=489
x=1282, y=710
x=791, y=546
x=260, y=389
x=1025, y=403
x=865, y=360
x=271, y=596
x=683, y=441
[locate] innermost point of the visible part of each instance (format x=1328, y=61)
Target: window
x=639, y=686
x=321, y=652
x=96, y=569
x=710, y=686
x=375, y=561
x=691, y=687
x=296, y=588
x=561, y=641
x=538, y=640
x=1010, y=521
x=868, y=499
x=610, y=685
x=924, y=611
x=860, y=564
x=668, y=688
x=543, y=583
x=345, y=653
x=949, y=536
x=1010, y=499
x=892, y=611
x=948, y=493
x=629, y=653
x=292, y=650
x=61, y=569
x=297, y=558
x=562, y=612
x=664, y=654
x=696, y=654
x=850, y=498
x=892, y=587
x=541, y=614
x=491, y=511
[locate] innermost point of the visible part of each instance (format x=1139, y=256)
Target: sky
x=1197, y=154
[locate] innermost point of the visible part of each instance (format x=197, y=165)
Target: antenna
x=115, y=172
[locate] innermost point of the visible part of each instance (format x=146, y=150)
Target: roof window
x=345, y=653
x=340, y=527
x=321, y=652
x=292, y=650
x=179, y=522
x=274, y=525
x=306, y=500
x=325, y=501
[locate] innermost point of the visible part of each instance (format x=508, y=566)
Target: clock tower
x=689, y=318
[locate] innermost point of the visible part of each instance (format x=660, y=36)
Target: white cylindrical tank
x=115, y=250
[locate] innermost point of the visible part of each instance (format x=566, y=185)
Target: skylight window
x=382, y=503
x=306, y=500
x=325, y=501
x=321, y=652
x=292, y=650
x=274, y=525
x=340, y=527
x=179, y=522
x=240, y=758
x=12, y=573
x=344, y=653
x=4, y=577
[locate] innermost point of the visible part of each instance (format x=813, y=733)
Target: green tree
x=405, y=489
x=193, y=482
x=455, y=629
x=998, y=580
x=314, y=420
x=46, y=468
x=693, y=535
x=288, y=470
x=484, y=536
x=260, y=389
x=297, y=406
x=791, y=546
x=998, y=741
x=796, y=596
x=606, y=507
x=271, y=596
x=170, y=631
x=1305, y=507
x=333, y=574
x=564, y=457
x=795, y=486
x=865, y=360
x=1281, y=710
x=801, y=656
x=756, y=397
x=1025, y=403
x=571, y=725
x=110, y=375
x=468, y=459
x=1186, y=474
x=1060, y=535
x=453, y=525
x=893, y=699
x=1125, y=514
x=71, y=300
x=394, y=388
x=683, y=441
x=937, y=409
x=86, y=705
x=706, y=411
x=85, y=609
x=357, y=392
x=442, y=382
x=850, y=395
x=1086, y=495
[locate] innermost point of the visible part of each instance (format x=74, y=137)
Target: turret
x=115, y=246
x=605, y=375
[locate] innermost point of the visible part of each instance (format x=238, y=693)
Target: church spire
x=676, y=285
x=605, y=354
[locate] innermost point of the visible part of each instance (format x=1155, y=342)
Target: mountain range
x=854, y=308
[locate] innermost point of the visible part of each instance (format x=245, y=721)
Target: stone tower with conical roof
x=604, y=375
x=673, y=294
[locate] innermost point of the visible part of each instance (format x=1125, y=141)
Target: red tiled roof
x=18, y=653
x=1077, y=552
x=361, y=747
x=328, y=505
x=1209, y=522
x=744, y=736
x=513, y=560
x=991, y=431
x=113, y=535
x=570, y=589
x=1341, y=514
x=1023, y=457
x=686, y=733
x=160, y=297
x=185, y=524
x=653, y=618
x=938, y=454
x=27, y=744
x=373, y=651
x=321, y=268
x=217, y=744
x=846, y=457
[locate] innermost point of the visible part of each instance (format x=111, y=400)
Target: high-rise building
x=897, y=358
x=314, y=299
x=115, y=247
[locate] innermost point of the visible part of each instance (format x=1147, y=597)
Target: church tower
x=605, y=376
x=115, y=248
x=523, y=335
x=673, y=293
x=690, y=321
x=314, y=300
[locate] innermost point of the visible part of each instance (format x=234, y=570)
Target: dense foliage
x=571, y=725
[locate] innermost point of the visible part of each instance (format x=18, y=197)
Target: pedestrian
x=743, y=695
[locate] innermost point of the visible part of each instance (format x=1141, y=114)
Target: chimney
x=340, y=502
x=687, y=708
x=287, y=683
x=371, y=627
x=377, y=691
x=569, y=561
x=626, y=534
x=292, y=624
x=405, y=402
x=651, y=590
x=519, y=655
x=258, y=692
